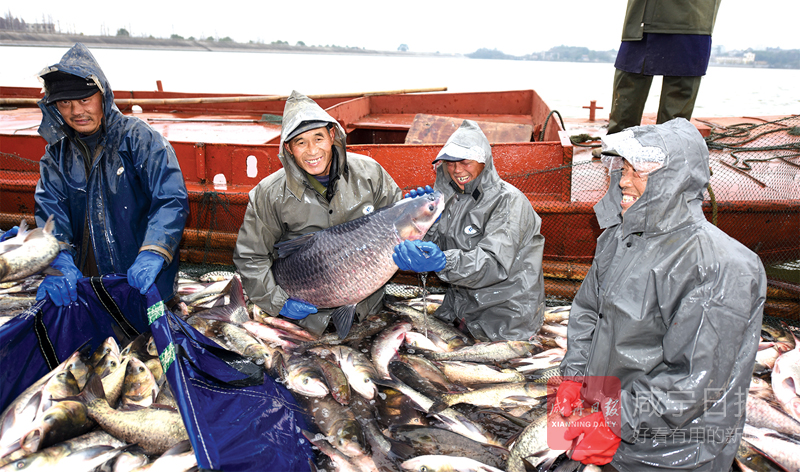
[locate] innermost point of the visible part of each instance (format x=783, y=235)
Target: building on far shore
x=41, y=28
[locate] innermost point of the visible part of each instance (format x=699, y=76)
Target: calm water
x=565, y=86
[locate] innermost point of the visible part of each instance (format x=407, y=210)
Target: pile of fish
x=110, y=409
x=402, y=391
x=771, y=439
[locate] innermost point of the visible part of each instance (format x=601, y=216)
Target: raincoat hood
x=470, y=140
x=674, y=193
x=77, y=61
x=300, y=109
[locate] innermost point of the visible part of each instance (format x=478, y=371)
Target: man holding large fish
x=487, y=245
x=321, y=185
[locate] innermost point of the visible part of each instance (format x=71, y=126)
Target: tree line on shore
x=770, y=57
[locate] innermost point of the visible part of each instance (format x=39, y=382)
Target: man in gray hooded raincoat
x=671, y=307
x=487, y=244
x=320, y=185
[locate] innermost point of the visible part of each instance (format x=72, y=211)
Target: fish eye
x=431, y=207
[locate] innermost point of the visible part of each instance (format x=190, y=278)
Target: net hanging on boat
x=754, y=196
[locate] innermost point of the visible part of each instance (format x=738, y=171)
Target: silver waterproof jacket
x=672, y=307
x=490, y=236
x=284, y=205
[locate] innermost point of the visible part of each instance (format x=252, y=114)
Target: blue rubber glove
x=144, y=270
x=9, y=234
x=419, y=256
x=63, y=290
x=296, y=309
x=418, y=192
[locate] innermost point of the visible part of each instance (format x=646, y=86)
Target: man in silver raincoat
x=487, y=244
x=320, y=185
x=671, y=307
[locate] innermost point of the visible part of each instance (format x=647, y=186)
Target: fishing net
x=754, y=196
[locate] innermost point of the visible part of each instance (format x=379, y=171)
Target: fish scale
x=344, y=264
x=309, y=274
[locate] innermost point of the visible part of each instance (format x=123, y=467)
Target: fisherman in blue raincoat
x=112, y=183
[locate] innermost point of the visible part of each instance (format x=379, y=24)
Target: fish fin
x=234, y=312
x=50, y=224
x=91, y=391
x=28, y=413
x=386, y=383
x=136, y=347
x=8, y=422
x=50, y=270
x=131, y=407
x=343, y=319
x=399, y=450
x=10, y=245
x=179, y=448
x=438, y=406
x=287, y=248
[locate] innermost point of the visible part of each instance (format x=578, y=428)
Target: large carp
x=344, y=264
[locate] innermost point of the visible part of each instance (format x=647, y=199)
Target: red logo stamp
x=595, y=394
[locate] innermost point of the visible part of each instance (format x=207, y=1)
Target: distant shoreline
x=25, y=39
x=15, y=38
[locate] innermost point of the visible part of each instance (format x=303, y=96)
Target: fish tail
x=235, y=311
x=91, y=391
x=343, y=319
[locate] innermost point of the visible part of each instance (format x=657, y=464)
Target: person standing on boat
x=671, y=307
x=320, y=185
x=486, y=245
x=671, y=38
x=112, y=183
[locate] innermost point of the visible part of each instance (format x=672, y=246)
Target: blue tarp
x=237, y=417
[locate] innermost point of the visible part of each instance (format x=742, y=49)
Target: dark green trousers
x=678, y=95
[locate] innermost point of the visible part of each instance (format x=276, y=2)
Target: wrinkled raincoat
x=284, y=205
x=490, y=236
x=669, y=17
x=672, y=307
x=129, y=197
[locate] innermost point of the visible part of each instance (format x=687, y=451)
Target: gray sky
x=513, y=26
